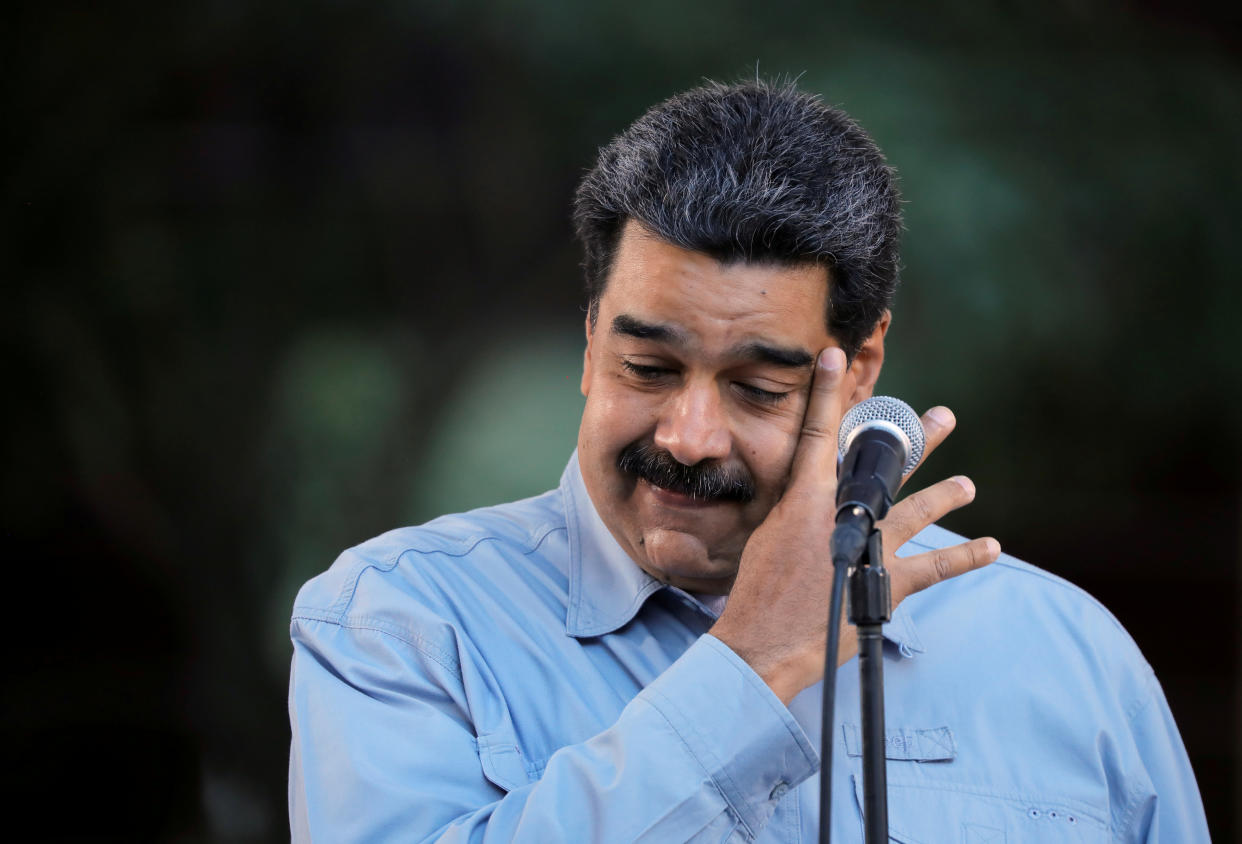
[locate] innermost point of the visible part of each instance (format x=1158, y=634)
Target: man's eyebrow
x=791, y=358
x=634, y=327
x=782, y=356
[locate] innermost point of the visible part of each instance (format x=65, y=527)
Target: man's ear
x=586, y=357
x=870, y=358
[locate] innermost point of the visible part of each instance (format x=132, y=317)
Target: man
x=637, y=654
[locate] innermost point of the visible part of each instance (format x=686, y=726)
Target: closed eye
x=646, y=373
x=759, y=395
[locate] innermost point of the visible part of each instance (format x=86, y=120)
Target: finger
x=938, y=423
x=915, y=512
x=920, y=571
x=815, y=459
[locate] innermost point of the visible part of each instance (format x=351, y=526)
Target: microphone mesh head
x=890, y=410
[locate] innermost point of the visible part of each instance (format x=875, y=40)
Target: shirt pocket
x=928, y=812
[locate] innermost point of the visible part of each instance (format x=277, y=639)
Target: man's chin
x=683, y=559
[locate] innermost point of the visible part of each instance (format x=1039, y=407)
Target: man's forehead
x=636, y=234
x=661, y=291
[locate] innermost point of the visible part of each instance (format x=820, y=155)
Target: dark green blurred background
x=280, y=276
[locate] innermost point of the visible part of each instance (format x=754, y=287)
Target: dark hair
x=759, y=172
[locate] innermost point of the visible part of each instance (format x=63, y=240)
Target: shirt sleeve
x=384, y=748
x=1166, y=806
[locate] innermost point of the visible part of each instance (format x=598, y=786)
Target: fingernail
x=942, y=416
x=994, y=548
x=831, y=359
x=965, y=483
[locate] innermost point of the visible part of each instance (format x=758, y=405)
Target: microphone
x=880, y=440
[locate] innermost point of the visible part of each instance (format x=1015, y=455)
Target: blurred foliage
x=509, y=429
x=282, y=276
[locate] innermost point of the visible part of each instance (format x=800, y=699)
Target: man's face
x=696, y=378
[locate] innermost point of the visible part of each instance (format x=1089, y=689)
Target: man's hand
x=777, y=615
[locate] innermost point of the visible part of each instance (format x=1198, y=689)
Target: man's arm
x=384, y=748
x=1171, y=808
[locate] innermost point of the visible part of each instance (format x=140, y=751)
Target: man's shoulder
x=433, y=563
x=1013, y=571
x=1016, y=598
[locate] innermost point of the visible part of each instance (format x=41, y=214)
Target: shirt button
x=779, y=791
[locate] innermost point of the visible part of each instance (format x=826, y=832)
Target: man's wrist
x=784, y=674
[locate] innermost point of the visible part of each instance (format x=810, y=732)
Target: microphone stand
x=869, y=608
x=870, y=602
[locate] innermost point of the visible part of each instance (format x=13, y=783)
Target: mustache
x=704, y=481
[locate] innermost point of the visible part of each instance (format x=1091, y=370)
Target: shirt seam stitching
x=533, y=540
x=349, y=589
x=1136, y=793
x=1143, y=701
x=416, y=641
x=1133, y=802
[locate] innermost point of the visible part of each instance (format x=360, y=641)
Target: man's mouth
x=672, y=498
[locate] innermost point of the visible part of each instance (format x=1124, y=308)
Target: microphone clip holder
x=871, y=597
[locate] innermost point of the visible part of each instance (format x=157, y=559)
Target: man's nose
x=694, y=425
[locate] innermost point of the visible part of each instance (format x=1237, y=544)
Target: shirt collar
x=607, y=588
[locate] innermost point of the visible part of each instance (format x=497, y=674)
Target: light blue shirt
x=509, y=674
